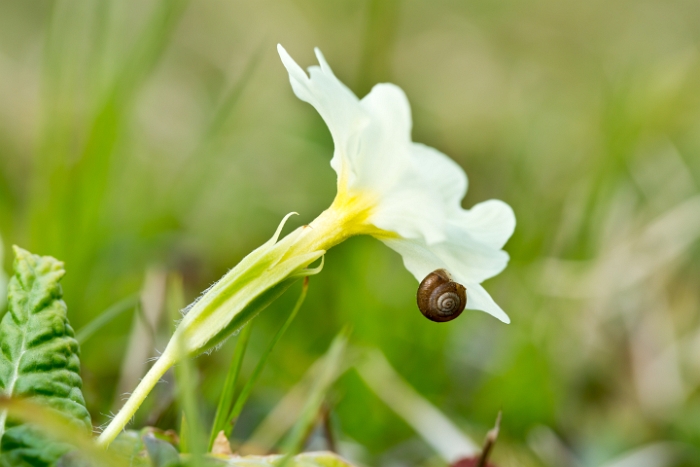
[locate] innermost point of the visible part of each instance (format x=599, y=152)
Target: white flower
x=406, y=194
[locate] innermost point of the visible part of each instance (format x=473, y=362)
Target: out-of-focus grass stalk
x=228, y=392
x=104, y=318
x=191, y=429
x=189, y=179
x=82, y=132
x=661, y=454
x=288, y=411
x=553, y=451
x=230, y=100
x=332, y=362
x=3, y=277
x=103, y=137
x=247, y=389
x=379, y=37
x=433, y=426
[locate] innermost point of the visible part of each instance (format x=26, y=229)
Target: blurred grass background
x=142, y=139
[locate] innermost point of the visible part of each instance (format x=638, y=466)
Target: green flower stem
x=135, y=400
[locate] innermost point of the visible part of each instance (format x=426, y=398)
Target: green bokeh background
x=164, y=136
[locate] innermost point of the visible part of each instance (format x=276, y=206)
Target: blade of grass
x=185, y=379
x=191, y=429
x=150, y=45
x=104, y=318
x=228, y=392
x=433, y=426
x=3, y=278
x=379, y=39
x=224, y=110
x=184, y=434
x=286, y=413
x=189, y=180
x=78, y=193
x=102, y=141
x=245, y=392
x=330, y=369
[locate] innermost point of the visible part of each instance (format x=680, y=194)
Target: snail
x=439, y=298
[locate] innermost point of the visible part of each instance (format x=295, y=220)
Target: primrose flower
x=405, y=194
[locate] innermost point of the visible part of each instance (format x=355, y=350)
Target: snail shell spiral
x=439, y=298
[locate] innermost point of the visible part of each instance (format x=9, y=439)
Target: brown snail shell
x=439, y=298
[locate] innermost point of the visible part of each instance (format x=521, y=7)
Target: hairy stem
x=135, y=400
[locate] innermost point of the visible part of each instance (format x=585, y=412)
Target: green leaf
x=161, y=453
x=59, y=427
x=38, y=359
x=129, y=446
x=106, y=317
x=145, y=448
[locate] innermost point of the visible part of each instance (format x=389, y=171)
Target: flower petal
x=428, y=193
x=469, y=251
x=467, y=261
x=491, y=222
x=479, y=299
x=442, y=174
x=336, y=104
x=412, y=214
x=381, y=161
